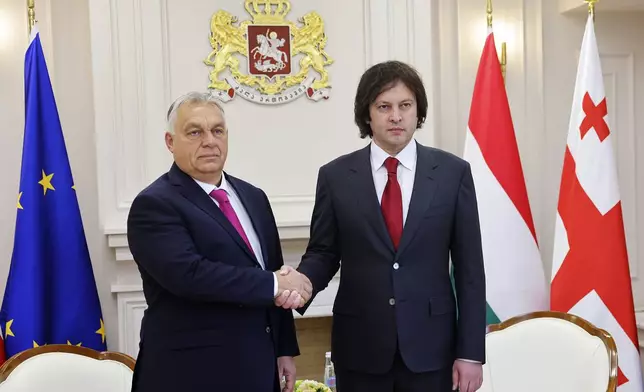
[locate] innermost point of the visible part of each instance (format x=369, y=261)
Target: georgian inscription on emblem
x=284, y=61
x=251, y=95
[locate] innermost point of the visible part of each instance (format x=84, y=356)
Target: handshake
x=294, y=289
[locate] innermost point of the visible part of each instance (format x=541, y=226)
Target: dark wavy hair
x=382, y=77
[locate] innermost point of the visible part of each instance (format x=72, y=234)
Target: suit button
x=268, y=329
x=392, y=301
x=396, y=266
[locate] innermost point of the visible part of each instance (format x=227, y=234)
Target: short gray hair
x=189, y=98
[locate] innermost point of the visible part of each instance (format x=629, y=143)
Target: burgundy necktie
x=224, y=205
x=391, y=204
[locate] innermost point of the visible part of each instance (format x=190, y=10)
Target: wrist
x=275, y=286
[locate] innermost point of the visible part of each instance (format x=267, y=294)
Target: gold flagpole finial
x=489, y=13
x=504, y=59
x=591, y=7
x=32, y=14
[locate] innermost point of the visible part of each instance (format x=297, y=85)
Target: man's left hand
x=467, y=376
x=286, y=367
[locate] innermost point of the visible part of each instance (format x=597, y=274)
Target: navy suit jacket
x=403, y=299
x=211, y=324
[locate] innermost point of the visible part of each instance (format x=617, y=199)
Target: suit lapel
x=196, y=195
x=424, y=189
x=366, y=197
x=254, y=213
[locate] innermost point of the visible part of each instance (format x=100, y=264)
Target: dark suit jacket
x=211, y=324
x=405, y=298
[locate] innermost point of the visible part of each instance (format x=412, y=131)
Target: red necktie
x=391, y=204
x=224, y=205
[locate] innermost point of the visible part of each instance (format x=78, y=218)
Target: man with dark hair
x=393, y=213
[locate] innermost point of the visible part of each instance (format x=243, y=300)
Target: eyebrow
x=191, y=124
x=387, y=102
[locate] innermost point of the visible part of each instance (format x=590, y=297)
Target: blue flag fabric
x=51, y=295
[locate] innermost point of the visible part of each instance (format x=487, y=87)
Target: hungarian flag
x=515, y=278
x=590, y=276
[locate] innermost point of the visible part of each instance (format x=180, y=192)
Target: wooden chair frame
x=16, y=360
x=602, y=334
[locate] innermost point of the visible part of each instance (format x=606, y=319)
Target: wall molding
x=131, y=306
x=132, y=82
x=117, y=239
x=44, y=11
x=447, y=102
x=134, y=44
x=386, y=39
x=131, y=85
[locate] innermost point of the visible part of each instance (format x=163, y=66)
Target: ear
x=169, y=141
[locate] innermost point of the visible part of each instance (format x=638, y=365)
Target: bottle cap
x=328, y=354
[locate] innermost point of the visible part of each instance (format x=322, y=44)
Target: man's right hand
x=294, y=289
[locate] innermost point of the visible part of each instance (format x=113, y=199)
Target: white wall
x=13, y=40
x=146, y=53
x=64, y=26
x=117, y=64
x=462, y=30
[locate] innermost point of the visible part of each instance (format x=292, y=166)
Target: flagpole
x=489, y=14
x=504, y=59
x=503, y=45
x=32, y=14
x=591, y=7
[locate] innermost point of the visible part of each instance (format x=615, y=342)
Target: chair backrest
x=549, y=351
x=64, y=368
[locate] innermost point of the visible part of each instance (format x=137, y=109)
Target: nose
x=395, y=116
x=208, y=139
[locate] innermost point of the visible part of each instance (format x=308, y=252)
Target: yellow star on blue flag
x=45, y=181
x=50, y=296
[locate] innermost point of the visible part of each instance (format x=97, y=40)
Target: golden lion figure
x=226, y=40
x=311, y=41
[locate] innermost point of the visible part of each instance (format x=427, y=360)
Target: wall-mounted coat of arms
x=270, y=72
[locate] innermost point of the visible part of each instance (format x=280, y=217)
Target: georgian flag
x=590, y=273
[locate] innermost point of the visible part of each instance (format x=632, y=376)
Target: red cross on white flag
x=590, y=276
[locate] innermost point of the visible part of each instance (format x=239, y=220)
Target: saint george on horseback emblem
x=271, y=55
x=284, y=61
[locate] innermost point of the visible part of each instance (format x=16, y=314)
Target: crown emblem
x=284, y=60
x=267, y=11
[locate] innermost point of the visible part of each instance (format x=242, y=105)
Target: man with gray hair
x=207, y=247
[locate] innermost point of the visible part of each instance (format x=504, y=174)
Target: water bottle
x=329, y=372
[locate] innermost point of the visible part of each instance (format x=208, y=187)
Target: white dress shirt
x=243, y=217
x=406, y=172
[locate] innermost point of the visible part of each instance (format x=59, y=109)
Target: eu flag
x=51, y=295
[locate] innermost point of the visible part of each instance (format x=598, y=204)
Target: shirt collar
x=406, y=157
x=209, y=187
